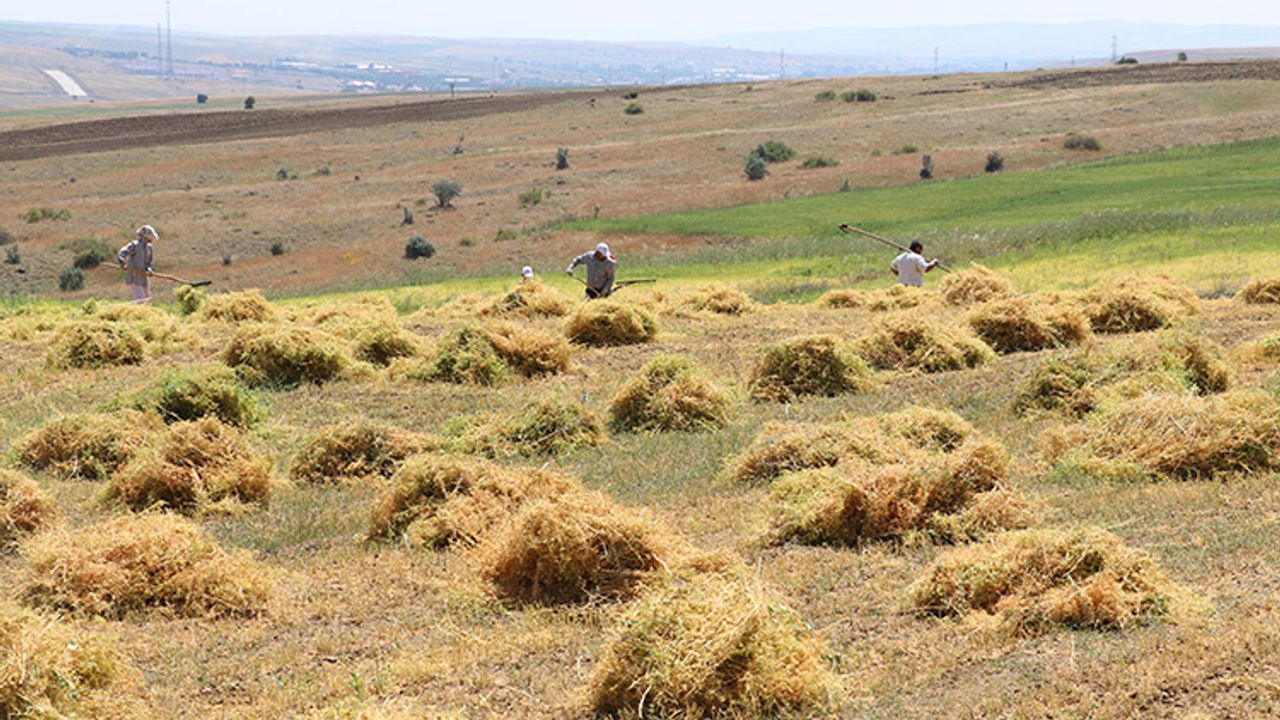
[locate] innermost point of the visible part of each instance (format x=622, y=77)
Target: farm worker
x=910, y=266
x=526, y=275
x=601, y=265
x=135, y=259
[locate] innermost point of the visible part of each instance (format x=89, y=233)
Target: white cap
x=527, y=271
x=603, y=249
x=147, y=231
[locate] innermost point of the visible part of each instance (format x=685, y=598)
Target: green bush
x=446, y=191
x=907, y=150
x=631, y=95
x=90, y=252
x=756, y=168
x=35, y=215
x=633, y=109
x=859, y=95
x=277, y=248
x=562, y=158
x=191, y=395
x=250, y=102
x=505, y=235
x=531, y=197
x=825, y=96
x=1127, y=61
x=11, y=256
x=70, y=279
x=418, y=247
x=812, y=163
x=995, y=162
x=772, y=151
x=1082, y=142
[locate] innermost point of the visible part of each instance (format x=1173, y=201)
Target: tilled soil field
x=1158, y=73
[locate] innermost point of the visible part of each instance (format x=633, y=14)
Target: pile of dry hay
x=670, y=394
x=134, y=563
x=356, y=450
x=198, y=466
x=711, y=645
x=1023, y=324
x=50, y=669
x=531, y=353
x=191, y=395
x=24, y=509
x=285, y=356
x=811, y=365
x=86, y=446
x=604, y=323
x=910, y=342
x=1260, y=291
x=1180, y=437
x=974, y=285
x=154, y=326
x=465, y=356
x=531, y=299
x=898, y=297
x=1034, y=580
x=238, y=307
x=719, y=300
x=349, y=317
x=789, y=447
x=843, y=299
x=382, y=343
x=1138, y=304
x=544, y=427
x=93, y=344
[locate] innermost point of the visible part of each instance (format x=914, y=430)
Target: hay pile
x=1035, y=580
x=86, y=446
x=531, y=353
x=191, y=395
x=812, y=365
x=196, y=466
x=94, y=344
x=190, y=299
x=285, y=356
x=670, y=394
x=464, y=357
x=604, y=323
x=898, y=297
x=910, y=342
x=711, y=645
x=1180, y=437
x=974, y=285
x=1061, y=382
x=24, y=509
x=348, y=318
x=153, y=326
x=382, y=343
x=435, y=501
x=544, y=427
x=1023, y=324
x=1138, y=304
x=356, y=450
x=719, y=300
x=238, y=307
x=1261, y=291
x=531, y=299
x=135, y=563
x=844, y=299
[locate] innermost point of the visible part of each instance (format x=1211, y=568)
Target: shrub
x=190, y=299
x=446, y=191
x=285, y=356
x=811, y=365
x=136, y=563
x=1138, y=304
x=529, y=352
x=250, y=102
x=1127, y=61
x=608, y=323
x=86, y=446
x=1182, y=57
x=70, y=279
x=356, y=450
x=909, y=342
x=94, y=344
x=91, y=252
x=863, y=95
x=634, y=108
x=12, y=256
x=530, y=197
x=772, y=151
x=531, y=299
x=467, y=357
x=277, y=248
x=1021, y=324
x=238, y=307
x=6, y=237
x=1260, y=291
x=1082, y=142
x=562, y=158
x=974, y=285
x=190, y=395
x=670, y=394
x=825, y=96
x=630, y=95
x=545, y=427
x=755, y=168
x=815, y=162
x=995, y=162
x=418, y=247
x=505, y=235
x=907, y=149
x=201, y=99
x=24, y=509
x=926, y=167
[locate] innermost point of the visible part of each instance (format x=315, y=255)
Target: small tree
x=418, y=247
x=995, y=163
x=1126, y=60
x=756, y=168
x=11, y=256
x=926, y=167
x=1182, y=57
x=825, y=96
x=277, y=248
x=633, y=109
x=70, y=279
x=562, y=158
x=446, y=191
x=249, y=102
x=202, y=99
x=282, y=173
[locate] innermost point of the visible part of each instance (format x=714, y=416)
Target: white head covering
x=527, y=271
x=602, y=248
x=148, y=232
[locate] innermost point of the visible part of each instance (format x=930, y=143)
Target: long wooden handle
x=886, y=241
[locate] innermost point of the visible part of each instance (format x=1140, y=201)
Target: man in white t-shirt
x=911, y=266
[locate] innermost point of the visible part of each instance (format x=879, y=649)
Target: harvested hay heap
x=789, y=447
x=545, y=427
x=974, y=285
x=529, y=352
x=356, y=450
x=1261, y=291
x=1024, y=324
x=198, y=466
x=464, y=357
x=531, y=299
x=94, y=344
x=812, y=365
x=191, y=395
x=1177, y=437
x=285, y=356
x=86, y=446
x=898, y=297
x=135, y=563
x=50, y=669
x=719, y=300
x=24, y=509
x=238, y=307
x=572, y=548
x=711, y=645
x=910, y=342
x=1035, y=580
x=435, y=501
x=670, y=394
x=604, y=323
x=382, y=343
x=1138, y=304
x=842, y=298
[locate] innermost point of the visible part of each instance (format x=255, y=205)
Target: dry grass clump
x=381, y=343
x=572, y=548
x=544, y=427
x=285, y=356
x=711, y=645
x=604, y=323
x=238, y=307
x=910, y=342
x=134, y=563
x=1261, y=291
x=719, y=299
x=531, y=299
x=843, y=298
x=811, y=365
x=1022, y=324
x=435, y=501
x=465, y=357
x=1035, y=580
x=349, y=316
x=974, y=285
x=49, y=669
x=93, y=344
x=670, y=394
x=195, y=466
x=86, y=446
x=24, y=508
x=898, y=297
x=356, y=450
x=1138, y=304
x=191, y=395
x=531, y=353
x=1061, y=382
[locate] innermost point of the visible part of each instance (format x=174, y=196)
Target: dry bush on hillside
x=1022, y=324
x=531, y=299
x=843, y=299
x=238, y=307
x=603, y=323
x=285, y=356
x=87, y=446
x=94, y=344
x=670, y=394
x=544, y=427
x=718, y=299
x=134, y=563
x=24, y=508
x=384, y=342
x=194, y=394
x=1138, y=304
x=910, y=342
x=357, y=450
x=898, y=297
x=1261, y=290
x=198, y=466
x=530, y=352
x=1035, y=580
x=711, y=645
x=812, y=365
x=977, y=284
x=464, y=357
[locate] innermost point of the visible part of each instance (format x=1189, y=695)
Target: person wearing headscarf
x=135, y=259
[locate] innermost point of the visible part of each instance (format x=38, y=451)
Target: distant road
x=67, y=83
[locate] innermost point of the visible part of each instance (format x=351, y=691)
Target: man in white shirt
x=911, y=266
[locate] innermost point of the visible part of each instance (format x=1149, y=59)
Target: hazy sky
x=593, y=19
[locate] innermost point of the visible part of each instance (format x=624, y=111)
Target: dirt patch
x=1157, y=73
